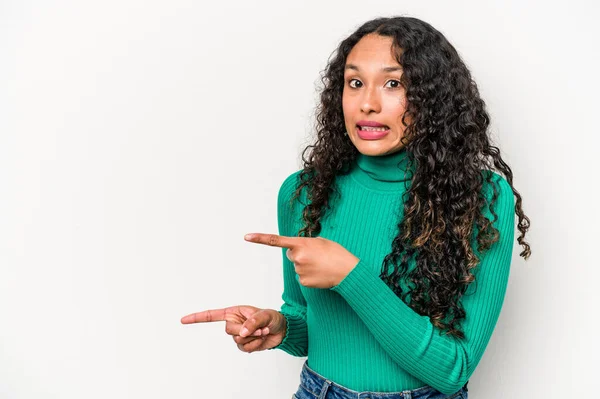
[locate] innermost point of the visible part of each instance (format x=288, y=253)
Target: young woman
x=397, y=234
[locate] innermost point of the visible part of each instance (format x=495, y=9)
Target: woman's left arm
x=442, y=361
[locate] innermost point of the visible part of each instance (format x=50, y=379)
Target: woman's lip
x=371, y=134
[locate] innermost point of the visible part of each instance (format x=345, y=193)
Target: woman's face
x=372, y=93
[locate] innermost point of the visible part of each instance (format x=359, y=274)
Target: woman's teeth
x=375, y=129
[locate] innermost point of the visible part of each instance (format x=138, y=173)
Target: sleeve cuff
x=295, y=341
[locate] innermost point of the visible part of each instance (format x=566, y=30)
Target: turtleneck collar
x=386, y=172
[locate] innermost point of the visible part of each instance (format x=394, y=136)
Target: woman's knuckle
x=273, y=240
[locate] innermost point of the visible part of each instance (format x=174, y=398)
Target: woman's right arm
x=295, y=341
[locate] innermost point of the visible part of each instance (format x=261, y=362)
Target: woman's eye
x=355, y=83
x=354, y=80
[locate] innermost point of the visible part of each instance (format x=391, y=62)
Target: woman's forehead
x=372, y=50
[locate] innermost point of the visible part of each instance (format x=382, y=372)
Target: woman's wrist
x=282, y=323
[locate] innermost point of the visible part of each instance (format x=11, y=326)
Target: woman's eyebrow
x=384, y=69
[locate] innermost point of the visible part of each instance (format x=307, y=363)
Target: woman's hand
x=265, y=328
x=319, y=262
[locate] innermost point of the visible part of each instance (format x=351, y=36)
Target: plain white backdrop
x=140, y=140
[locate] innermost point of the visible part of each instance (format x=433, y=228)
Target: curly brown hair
x=448, y=148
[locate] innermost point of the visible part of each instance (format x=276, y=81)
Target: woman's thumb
x=258, y=320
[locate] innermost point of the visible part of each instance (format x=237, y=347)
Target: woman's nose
x=371, y=101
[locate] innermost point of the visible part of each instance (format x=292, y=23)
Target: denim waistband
x=320, y=386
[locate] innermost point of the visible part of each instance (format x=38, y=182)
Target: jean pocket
x=303, y=393
x=459, y=395
x=438, y=395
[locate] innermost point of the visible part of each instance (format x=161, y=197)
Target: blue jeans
x=315, y=386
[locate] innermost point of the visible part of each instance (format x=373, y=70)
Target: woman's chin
x=376, y=147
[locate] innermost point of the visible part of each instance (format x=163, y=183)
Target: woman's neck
x=383, y=172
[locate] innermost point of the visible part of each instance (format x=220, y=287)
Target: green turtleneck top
x=359, y=333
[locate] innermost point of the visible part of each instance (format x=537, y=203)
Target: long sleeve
x=293, y=308
x=442, y=361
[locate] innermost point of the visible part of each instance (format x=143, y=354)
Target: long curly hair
x=448, y=145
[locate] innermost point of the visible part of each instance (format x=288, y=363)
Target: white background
x=140, y=140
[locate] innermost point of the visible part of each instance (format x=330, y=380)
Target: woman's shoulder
x=292, y=179
x=290, y=183
x=289, y=186
x=495, y=181
x=502, y=211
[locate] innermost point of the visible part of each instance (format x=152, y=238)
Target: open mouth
x=373, y=129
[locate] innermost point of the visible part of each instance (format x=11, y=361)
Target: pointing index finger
x=272, y=240
x=206, y=316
